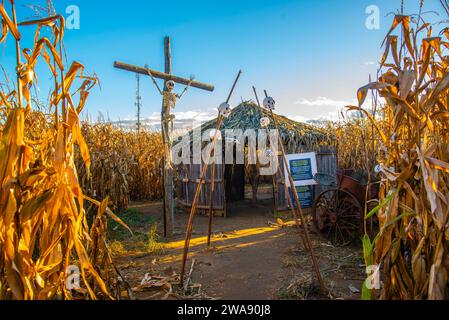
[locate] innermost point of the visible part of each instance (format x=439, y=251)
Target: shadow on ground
x=251, y=257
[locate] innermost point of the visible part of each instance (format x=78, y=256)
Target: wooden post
x=211, y=202
x=167, y=140
x=257, y=97
x=200, y=183
x=275, y=176
x=299, y=208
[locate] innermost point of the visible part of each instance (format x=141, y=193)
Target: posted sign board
x=306, y=196
x=303, y=168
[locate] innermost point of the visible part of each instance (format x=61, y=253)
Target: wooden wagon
x=339, y=212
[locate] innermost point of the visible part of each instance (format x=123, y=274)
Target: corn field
x=43, y=226
x=412, y=147
x=354, y=140
x=125, y=165
x=61, y=179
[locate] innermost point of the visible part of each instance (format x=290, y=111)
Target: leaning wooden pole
x=276, y=157
x=200, y=183
x=298, y=205
x=257, y=97
x=211, y=202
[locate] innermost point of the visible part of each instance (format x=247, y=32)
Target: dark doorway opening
x=235, y=183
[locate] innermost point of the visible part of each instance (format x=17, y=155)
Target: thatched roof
x=295, y=135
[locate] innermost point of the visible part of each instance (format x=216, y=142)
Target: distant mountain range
x=182, y=124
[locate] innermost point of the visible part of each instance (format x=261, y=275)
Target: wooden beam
x=167, y=52
x=163, y=76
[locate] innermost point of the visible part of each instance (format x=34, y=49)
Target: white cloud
x=325, y=102
x=321, y=108
x=184, y=116
x=298, y=118
x=194, y=115
x=369, y=63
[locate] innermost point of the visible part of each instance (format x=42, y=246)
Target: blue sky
x=310, y=55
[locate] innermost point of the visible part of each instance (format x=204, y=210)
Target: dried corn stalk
x=126, y=165
x=413, y=244
x=356, y=143
x=43, y=227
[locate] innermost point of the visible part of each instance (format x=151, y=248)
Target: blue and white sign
x=306, y=196
x=303, y=168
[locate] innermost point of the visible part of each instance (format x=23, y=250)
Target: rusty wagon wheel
x=338, y=216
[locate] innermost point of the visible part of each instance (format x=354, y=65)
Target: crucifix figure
x=169, y=99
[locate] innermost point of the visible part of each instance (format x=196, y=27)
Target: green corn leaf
x=382, y=205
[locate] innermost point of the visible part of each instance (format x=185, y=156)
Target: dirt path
x=250, y=259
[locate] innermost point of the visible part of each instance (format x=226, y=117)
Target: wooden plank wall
x=188, y=176
x=327, y=164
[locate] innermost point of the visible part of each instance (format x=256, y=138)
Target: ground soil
x=252, y=257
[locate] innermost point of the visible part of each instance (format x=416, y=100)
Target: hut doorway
x=246, y=190
x=235, y=182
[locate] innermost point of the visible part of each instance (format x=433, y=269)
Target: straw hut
x=231, y=179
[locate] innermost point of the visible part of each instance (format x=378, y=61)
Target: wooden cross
x=168, y=102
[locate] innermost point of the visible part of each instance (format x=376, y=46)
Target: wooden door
x=327, y=164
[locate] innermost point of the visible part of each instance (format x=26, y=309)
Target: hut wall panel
x=327, y=164
x=189, y=175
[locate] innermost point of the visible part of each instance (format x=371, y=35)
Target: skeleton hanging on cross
x=169, y=99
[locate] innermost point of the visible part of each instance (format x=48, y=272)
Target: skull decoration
x=269, y=103
x=264, y=122
x=378, y=169
x=270, y=153
x=225, y=109
x=170, y=85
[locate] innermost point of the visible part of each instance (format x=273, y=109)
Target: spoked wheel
x=338, y=216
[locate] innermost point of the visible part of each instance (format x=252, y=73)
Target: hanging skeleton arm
x=149, y=73
x=170, y=86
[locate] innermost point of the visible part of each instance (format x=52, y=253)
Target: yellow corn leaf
x=4, y=31
x=435, y=43
x=406, y=80
x=392, y=43
x=73, y=123
x=441, y=87
x=438, y=164
x=34, y=205
x=362, y=93
x=12, y=27
x=110, y=214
